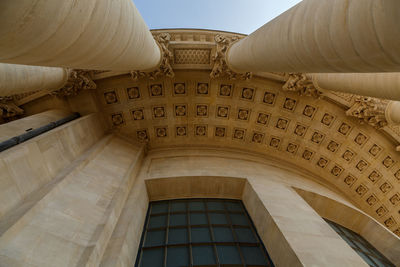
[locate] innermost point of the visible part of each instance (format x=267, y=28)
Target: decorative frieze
x=192, y=56
x=164, y=68
x=220, y=67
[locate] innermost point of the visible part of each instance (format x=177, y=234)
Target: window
x=370, y=254
x=200, y=232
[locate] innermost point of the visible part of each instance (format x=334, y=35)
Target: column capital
x=78, y=80
x=301, y=84
x=369, y=110
x=164, y=67
x=374, y=111
x=8, y=109
x=220, y=65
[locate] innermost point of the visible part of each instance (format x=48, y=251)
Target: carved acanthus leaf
x=369, y=110
x=8, y=109
x=164, y=68
x=220, y=68
x=78, y=80
x=299, y=83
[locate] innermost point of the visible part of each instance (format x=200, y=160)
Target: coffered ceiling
x=192, y=109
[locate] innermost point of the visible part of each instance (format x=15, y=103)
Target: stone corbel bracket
x=369, y=110
x=301, y=84
x=8, y=109
x=381, y=114
x=165, y=68
x=220, y=67
x=78, y=80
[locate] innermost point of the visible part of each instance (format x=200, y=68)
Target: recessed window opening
x=200, y=232
x=369, y=254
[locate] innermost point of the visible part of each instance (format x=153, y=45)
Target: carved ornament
x=369, y=110
x=164, y=68
x=78, y=80
x=220, y=67
x=299, y=83
x=8, y=110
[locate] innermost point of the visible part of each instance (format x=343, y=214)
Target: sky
x=241, y=16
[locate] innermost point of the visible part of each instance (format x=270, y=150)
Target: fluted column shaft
x=90, y=34
x=17, y=79
x=379, y=85
x=324, y=36
x=393, y=112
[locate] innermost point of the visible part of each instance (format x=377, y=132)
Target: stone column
x=393, y=112
x=90, y=34
x=18, y=79
x=379, y=85
x=324, y=36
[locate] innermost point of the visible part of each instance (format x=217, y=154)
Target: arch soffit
x=192, y=109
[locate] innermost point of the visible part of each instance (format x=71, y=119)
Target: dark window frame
x=359, y=244
x=227, y=212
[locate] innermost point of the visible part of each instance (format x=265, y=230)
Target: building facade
x=197, y=114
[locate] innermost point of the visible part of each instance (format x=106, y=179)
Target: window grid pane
x=369, y=254
x=194, y=232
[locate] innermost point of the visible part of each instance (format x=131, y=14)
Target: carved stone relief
x=369, y=110
x=8, y=109
x=78, y=80
x=192, y=56
x=167, y=57
x=220, y=68
x=299, y=83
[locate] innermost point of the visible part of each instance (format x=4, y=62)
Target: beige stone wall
x=293, y=233
x=353, y=219
x=45, y=103
x=195, y=187
x=27, y=167
x=291, y=229
x=93, y=213
x=71, y=224
x=20, y=126
x=85, y=103
x=125, y=240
